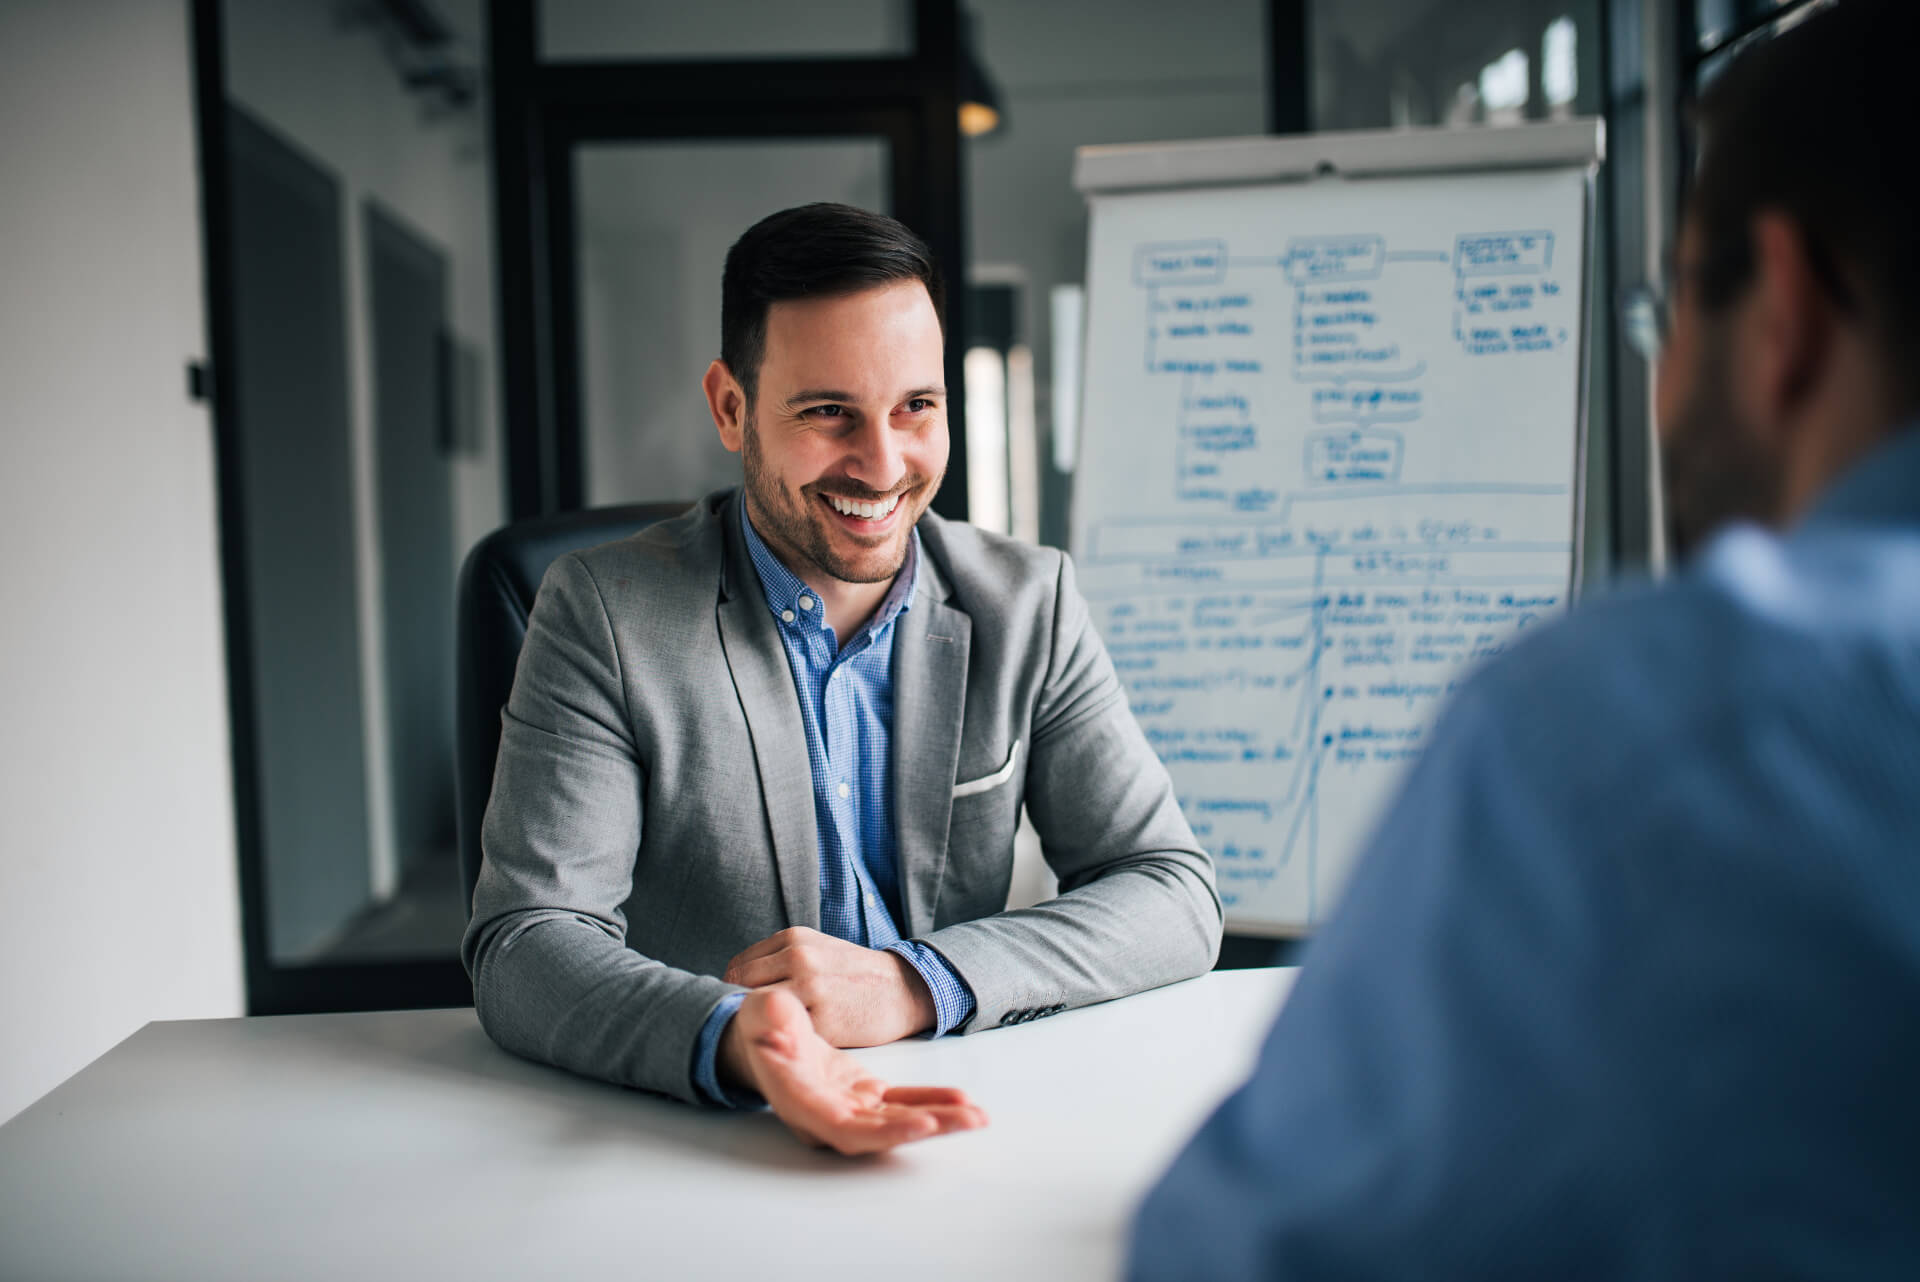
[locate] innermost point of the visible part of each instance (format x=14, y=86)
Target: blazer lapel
x=929, y=696
x=765, y=686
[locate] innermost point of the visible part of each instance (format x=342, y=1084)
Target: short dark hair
x=1817, y=122
x=813, y=251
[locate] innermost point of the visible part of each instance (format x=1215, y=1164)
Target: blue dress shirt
x=846, y=705
x=1628, y=983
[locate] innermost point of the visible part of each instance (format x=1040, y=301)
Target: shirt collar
x=784, y=589
x=1884, y=486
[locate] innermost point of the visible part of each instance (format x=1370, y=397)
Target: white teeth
x=865, y=511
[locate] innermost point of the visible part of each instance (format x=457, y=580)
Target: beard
x=796, y=528
x=1715, y=466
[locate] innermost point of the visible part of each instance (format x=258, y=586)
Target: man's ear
x=1790, y=320
x=728, y=404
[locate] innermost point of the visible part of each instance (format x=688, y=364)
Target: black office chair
x=497, y=586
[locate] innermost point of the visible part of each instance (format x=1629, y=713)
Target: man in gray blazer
x=762, y=765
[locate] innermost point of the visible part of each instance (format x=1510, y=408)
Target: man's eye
x=919, y=405
x=829, y=411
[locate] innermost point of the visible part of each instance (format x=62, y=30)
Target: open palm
x=823, y=1094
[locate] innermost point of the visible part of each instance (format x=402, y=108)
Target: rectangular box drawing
x=1192, y=262
x=1314, y=259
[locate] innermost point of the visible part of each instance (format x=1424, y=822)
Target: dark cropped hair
x=1818, y=123
x=812, y=251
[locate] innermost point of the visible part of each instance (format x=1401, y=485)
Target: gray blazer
x=652, y=810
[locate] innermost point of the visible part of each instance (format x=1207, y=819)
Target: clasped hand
x=811, y=994
x=855, y=996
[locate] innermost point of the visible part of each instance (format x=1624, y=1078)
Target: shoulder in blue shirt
x=1624, y=986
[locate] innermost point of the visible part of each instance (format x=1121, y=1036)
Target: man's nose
x=875, y=457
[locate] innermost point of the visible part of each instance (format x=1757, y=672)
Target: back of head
x=812, y=251
x=1816, y=122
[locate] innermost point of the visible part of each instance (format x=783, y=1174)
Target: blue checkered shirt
x=846, y=704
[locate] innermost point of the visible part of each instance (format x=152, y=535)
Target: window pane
x=621, y=29
x=654, y=223
x=1393, y=63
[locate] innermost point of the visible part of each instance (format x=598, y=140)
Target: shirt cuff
x=953, y=1002
x=706, y=1054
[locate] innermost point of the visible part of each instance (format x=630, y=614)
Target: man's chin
x=855, y=558
x=871, y=565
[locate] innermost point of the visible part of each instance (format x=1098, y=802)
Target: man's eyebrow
x=816, y=395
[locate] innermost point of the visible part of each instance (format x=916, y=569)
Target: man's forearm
x=553, y=989
x=1142, y=922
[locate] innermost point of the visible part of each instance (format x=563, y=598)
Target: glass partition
x=361, y=259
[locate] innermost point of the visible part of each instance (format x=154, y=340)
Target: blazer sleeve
x=1138, y=906
x=553, y=979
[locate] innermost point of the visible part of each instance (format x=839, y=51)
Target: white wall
x=116, y=844
x=322, y=78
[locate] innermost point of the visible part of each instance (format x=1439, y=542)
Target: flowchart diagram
x=1338, y=471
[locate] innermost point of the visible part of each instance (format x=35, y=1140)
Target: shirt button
x=844, y=792
x=806, y=603
x=869, y=901
x=786, y=616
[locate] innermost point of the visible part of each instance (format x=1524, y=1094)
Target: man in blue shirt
x=1628, y=983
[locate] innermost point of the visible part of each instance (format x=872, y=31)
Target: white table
x=406, y=1145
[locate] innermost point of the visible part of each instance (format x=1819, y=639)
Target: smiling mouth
x=864, y=510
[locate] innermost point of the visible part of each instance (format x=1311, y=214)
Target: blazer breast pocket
x=986, y=814
x=987, y=783
x=991, y=800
